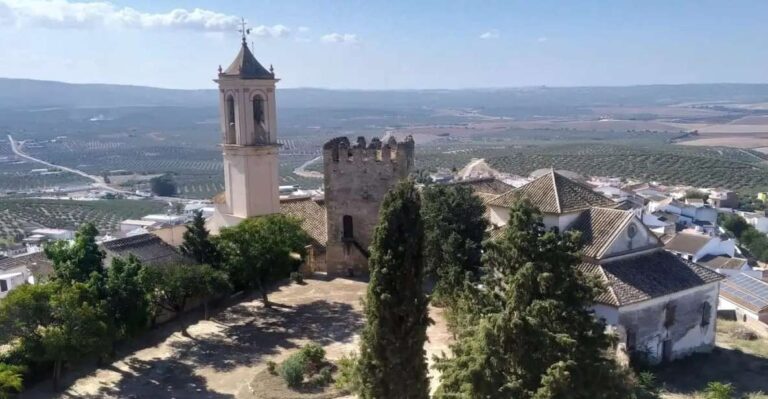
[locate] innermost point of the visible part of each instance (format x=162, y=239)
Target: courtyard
x=217, y=358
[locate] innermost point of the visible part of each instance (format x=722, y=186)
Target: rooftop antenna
x=243, y=30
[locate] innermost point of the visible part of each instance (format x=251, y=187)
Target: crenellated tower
x=357, y=176
x=248, y=137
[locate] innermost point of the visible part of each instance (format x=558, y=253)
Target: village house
x=660, y=305
x=693, y=246
x=23, y=269
x=688, y=214
x=758, y=220
x=723, y=199
x=747, y=297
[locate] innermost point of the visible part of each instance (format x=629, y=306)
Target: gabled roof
x=245, y=66
x=746, y=291
x=640, y=278
x=485, y=185
x=554, y=193
x=687, y=243
x=599, y=228
x=149, y=249
x=312, y=217
x=722, y=262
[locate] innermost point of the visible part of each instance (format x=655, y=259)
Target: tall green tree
x=533, y=335
x=77, y=261
x=126, y=297
x=54, y=323
x=454, y=228
x=172, y=286
x=164, y=185
x=197, y=242
x=261, y=250
x=392, y=358
x=11, y=380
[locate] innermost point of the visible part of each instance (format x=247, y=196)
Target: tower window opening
x=347, y=228
x=230, y=121
x=258, y=110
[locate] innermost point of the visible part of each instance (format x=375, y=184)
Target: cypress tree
x=197, y=242
x=392, y=358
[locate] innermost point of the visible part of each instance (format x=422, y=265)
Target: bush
x=297, y=277
x=323, y=378
x=718, y=390
x=292, y=370
x=348, y=377
x=313, y=354
x=272, y=367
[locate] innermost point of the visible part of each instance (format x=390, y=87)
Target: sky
x=389, y=44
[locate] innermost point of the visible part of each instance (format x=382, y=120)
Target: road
x=303, y=172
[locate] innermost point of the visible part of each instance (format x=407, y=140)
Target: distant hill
x=25, y=94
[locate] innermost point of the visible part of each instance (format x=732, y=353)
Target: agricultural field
x=16, y=174
x=20, y=215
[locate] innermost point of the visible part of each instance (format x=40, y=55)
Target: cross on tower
x=243, y=30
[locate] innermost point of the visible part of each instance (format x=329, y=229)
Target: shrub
x=718, y=390
x=313, y=355
x=323, y=378
x=272, y=367
x=292, y=370
x=297, y=277
x=348, y=377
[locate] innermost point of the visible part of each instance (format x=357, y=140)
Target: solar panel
x=747, y=289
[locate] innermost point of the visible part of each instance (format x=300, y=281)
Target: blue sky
x=395, y=44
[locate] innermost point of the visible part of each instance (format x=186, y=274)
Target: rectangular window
x=706, y=314
x=669, y=315
x=3, y=285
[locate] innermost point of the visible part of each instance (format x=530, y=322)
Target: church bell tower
x=249, y=136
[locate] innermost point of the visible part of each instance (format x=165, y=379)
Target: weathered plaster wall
x=643, y=238
x=646, y=322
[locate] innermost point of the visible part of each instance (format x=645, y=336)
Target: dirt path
x=217, y=358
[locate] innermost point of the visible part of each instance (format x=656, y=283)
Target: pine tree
x=392, y=358
x=75, y=262
x=197, y=242
x=533, y=336
x=454, y=228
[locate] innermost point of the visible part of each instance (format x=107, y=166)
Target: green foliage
x=348, y=377
x=322, y=378
x=748, y=236
x=76, y=262
x=392, y=361
x=718, y=390
x=261, y=250
x=532, y=335
x=11, y=379
x=454, y=228
x=314, y=356
x=292, y=370
x=163, y=185
x=272, y=367
x=646, y=387
x=170, y=287
x=126, y=297
x=197, y=242
x=696, y=194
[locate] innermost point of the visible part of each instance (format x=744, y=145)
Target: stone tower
x=356, y=179
x=249, y=138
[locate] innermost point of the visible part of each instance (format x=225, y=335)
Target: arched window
x=258, y=110
x=230, y=121
x=347, y=228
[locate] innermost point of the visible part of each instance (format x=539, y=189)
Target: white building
x=694, y=246
x=24, y=269
x=133, y=224
x=165, y=220
x=758, y=220
x=747, y=296
x=55, y=234
x=658, y=303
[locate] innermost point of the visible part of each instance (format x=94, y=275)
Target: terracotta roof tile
x=487, y=185
x=312, y=215
x=687, y=243
x=648, y=276
x=554, y=193
x=721, y=262
x=599, y=228
x=148, y=248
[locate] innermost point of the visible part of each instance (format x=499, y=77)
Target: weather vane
x=243, y=30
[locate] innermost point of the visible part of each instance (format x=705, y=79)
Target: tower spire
x=244, y=31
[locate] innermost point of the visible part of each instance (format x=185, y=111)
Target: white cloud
x=348, y=38
x=72, y=14
x=542, y=39
x=271, y=31
x=302, y=29
x=491, y=34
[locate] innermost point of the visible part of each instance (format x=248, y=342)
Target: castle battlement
x=339, y=150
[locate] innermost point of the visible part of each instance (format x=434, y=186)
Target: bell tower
x=249, y=136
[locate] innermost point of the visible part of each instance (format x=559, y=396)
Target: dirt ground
x=217, y=358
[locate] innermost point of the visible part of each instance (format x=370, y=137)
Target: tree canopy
x=392, y=358
x=75, y=262
x=164, y=185
x=197, y=242
x=261, y=250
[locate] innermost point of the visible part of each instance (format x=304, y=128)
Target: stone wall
x=356, y=179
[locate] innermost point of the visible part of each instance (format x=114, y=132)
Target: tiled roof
x=486, y=185
x=245, y=66
x=37, y=263
x=721, y=262
x=554, y=193
x=687, y=243
x=647, y=276
x=599, y=228
x=149, y=249
x=312, y=217
x=746, y=291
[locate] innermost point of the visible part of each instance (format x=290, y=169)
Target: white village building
x=657, y=302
